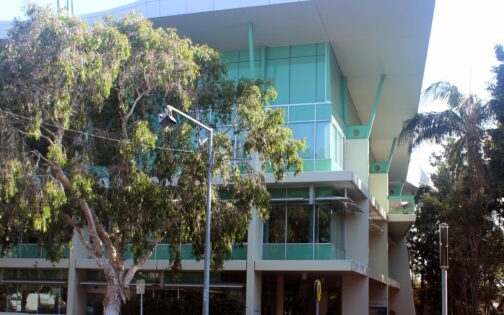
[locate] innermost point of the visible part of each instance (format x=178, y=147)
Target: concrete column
x=355, y=294
x=76, y=295
x=402, y=301
x=379, y=188
x=357, y=235
x=254, y=252
x=357, y=158
x=279, y=301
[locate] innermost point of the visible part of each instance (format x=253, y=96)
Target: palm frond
x=443, y=91
x=431, y=126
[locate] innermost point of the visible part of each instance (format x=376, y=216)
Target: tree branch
x=92, y=227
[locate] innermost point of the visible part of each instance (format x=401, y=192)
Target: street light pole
x=206, y=263
x=443, y=263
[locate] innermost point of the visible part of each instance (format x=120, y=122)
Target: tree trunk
x=112, y=300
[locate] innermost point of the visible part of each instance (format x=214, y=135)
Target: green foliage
x=465, y=198
x=81, y=144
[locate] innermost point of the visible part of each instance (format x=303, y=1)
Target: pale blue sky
x=14, y=8
x=464, y=33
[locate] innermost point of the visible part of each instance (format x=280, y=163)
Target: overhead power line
x=95, y=135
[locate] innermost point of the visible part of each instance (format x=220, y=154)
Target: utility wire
x=95, y=135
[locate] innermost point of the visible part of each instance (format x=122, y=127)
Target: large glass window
x=304, y=131
x=275, y=227
x=299, y=224
x=33, y=299
x=323, y=141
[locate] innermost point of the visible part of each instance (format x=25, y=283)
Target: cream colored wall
x=357, y=158
x=379, y=188
x=355, y=294
x=401, y=301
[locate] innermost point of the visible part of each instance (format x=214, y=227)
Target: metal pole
x=58, y=5
x=444, y=294
x=206, y=270
x=206, y=262
x=141, y=304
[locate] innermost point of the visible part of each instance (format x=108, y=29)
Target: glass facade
x=33, y=291
x=303, y=232
x=308, y=81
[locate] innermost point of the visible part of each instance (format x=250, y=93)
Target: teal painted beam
x=263, y=62
x=383, y=167
x=375, y=105
x=251, y=49
x=391, y=154
x=344, y=99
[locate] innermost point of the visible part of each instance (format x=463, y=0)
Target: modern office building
x=348, y=73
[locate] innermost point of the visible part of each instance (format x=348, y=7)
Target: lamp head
x=167, y=115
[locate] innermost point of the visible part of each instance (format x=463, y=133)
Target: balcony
x=162, y=252
x=402, y=204
x=401, y=215
x=302, y=251
x=32, y=251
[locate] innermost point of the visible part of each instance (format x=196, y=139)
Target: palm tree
x=464, y=124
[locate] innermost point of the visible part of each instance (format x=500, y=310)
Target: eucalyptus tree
x=82, y=152
x=464, y=122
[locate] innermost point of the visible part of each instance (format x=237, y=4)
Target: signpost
x=443, y=264
x=140, y=289
x=317, y=293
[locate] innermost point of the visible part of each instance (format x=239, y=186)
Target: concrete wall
x=401, y=301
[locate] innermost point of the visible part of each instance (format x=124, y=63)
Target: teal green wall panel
x=244, y=55
x=230, y=56
x=321, y=79
x=303, y=80
x=324, y=111
x=321, y=49
x=300, y=251
x=304, y=50
x=277, y=70
x=277, y=52
x=322, y=165
x=233, y=73
x=308, y=166
x=301, y=113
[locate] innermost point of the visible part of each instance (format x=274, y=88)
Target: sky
x=461, y=49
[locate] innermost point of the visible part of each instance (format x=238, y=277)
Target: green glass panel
x=232, y=71
x=324, y=192
x=298, y=192
x=186, y=251
x=323, y=141
x=299, y=223
x=277, y=70
x=244, y=69
x=303, y=80
x=226, y=194
x=321, y=49
x=300, y=251
x=324, y=111
x=277, y=52
x=304, y=50
x=322, y=165
x=229, y=56
x=30, y=251
x=321, y=79
x=304, y=131
x=239, y=252
x=244, y=55
x=274, y=251
x=162, y=252
x=301, y=113
x=308, y=166
x=324, y=252
x=277, y=192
